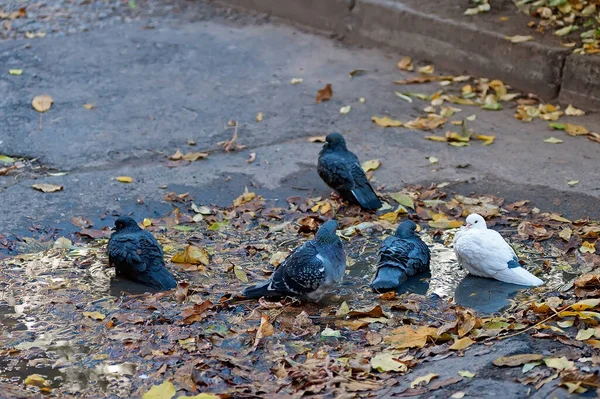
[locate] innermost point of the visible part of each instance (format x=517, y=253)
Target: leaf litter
x=204, y=339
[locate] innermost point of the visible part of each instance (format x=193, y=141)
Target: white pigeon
x=483, y=252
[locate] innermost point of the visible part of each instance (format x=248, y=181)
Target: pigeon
x=483, y=252
x=310, y=271
x=341, y=170
x=137, y=256
x=400, y=256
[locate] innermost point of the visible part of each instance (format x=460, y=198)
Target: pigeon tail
x=366, y=197
x=160, y=278
x=260, y=290
x=388, y=278
x=519, y=276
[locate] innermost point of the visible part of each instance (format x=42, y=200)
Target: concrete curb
x=540, y=67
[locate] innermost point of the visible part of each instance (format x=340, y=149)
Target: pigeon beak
x=468, y=225
x=113, y=228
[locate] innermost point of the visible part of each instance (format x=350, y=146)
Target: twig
x=230, y=143
x=535, y=325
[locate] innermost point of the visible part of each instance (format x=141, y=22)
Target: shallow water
x=65, y=362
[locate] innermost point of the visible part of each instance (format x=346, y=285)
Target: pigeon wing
x=125, y=249
x=485, y=250
x=335, y=172
x=301, y=273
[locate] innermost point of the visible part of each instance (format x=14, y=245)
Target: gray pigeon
x=400, y=256
x=137, y=256
x=310, y=271
x=341, y=170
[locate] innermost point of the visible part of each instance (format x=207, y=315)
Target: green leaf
x=466, y=373
x=166, y=390
x=565, y=30
x=328, y=332
x=557, y=126
x=553, y=140
x=403, y=96
x=16, y=72
x=492, y=107
x=527, y=367
x=6, y=159
x=403, y=199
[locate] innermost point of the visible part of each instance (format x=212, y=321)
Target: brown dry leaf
x=461, y=344
x=182, y=291
x=420, y=79
x=247, y=196
x=47, y=188
x=20, y=13
x=410, y=336
x=405, y=64
x=192, y=255
x=375, y=312
x=176, y=156
x=575, y=130
x=94, y=315
x=265, y=330
x=423, y=380
x=42, y=103
x=252, y=157
x=194, y=313
x=317, y=139
x=385, y=121
x=517, y=360
x=324, y=94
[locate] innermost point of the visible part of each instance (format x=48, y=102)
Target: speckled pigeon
x=310, y=271
x=483, y=252
x=137, y=256
x=400, y=256
x=341, y=170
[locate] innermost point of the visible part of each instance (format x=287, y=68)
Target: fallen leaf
x=343, y=310
x=466, y=373
x=35, y=380
x=557, y=126
x=176, y=156
x=433, y=160
x=436, y=138
x=124, y=179
x=565, y=234
x=324, y=94
x=47, y=188
x=410, y=336
x=362, y=100
x=585, y=334
x=296, y=81
x=456, y=395
x=405, y=64
x=404, y=97
x=94, y=315
x=423, y=380
x=559, y=363
x=259, y=117
x=370, y=165
x=553, y=140
x=585, y=304
x=587, y=247
x=527, y=367
x=519, y=38
x=385, y=121
x=461, y=344
x=200, y=396
x=252, y=157
x=89, y=106
x=328, y=332
x=166, y=390
x=16, y=72
x=42, y=103
x=192, y=255
x=427, y=69
x=386, y=362
x=317, y=139
x=564, y=30
x=487, y=140
x=194, y=156
x=345, y=110
x=357, y=72
x=575, y=130
x=403, y=199
x=240, y=273
x=572, y=182
x=246, y=196
x=572, y=111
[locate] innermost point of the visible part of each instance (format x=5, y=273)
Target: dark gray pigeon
x=400, y=256
x=137, y=256
x=341, y=170
x=310, y=271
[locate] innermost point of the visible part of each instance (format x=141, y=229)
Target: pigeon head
x=126, y=223
x=335, y=140
x=406, y=229
x=326, y=233
x=475, y=221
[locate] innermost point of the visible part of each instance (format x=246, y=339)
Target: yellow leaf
x=147, y=222
x=572, y=111
x=574, y=387
x=343, y=310
x=42, y=103
x=166, y=390
x=423, y=380
x=405, y=64
x=519, y=38
x=89, y=106
x=16, y=72
x=436, y=138
x=487, y=140
x=565, y=234
x=317, y=139
x=585, y=334
x=192, y=255
x=385, y=362
x=466, y=373
x=194, y=156
x=94, y=315
x=385, y=121
x=410, y=336
x=259, y=117
x=559, y=363
x=47, y=188
x=427, y=69
x=296, y=81
x=587, y=247
x=345, y=110
x=575, y=130
x=176, y=156
x=244, y=198
x=35, y=380
x=390, y=217
x=445, y=224
x=240, y=273
x=371, y=165
x=403, y=199
x=124, y=179
x=461, y=344
x=200, y=396
x=517, y=360
x=585, y=304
